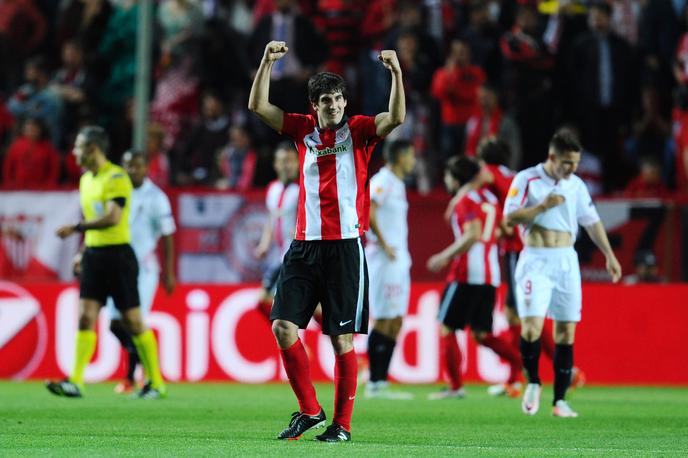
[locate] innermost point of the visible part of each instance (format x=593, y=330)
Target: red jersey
x=480, y=264
x=501, y=182
x=334, y=197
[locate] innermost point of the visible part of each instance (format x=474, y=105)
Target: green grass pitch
x=242, y=420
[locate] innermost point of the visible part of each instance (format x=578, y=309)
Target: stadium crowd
x=614, y=71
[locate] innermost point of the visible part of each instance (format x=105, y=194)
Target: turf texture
x=242, y=420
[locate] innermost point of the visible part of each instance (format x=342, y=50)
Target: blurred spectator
x=648, y=183
x=659, y=34
x=85, y=21
x=379, y=18
x=236, y=161
x=646, y=270
x=652, y=134
x=36, y=98
x=24, y=27
x=75, y=87
x=680, y=132
x=307, y=50
x=455, y=86
x=224, y=65
x=158, y=163
x=339, y=22
x=118, y=49
x=194, y=154
x=602, y=78
x=181, y=22
x=6, y=123
x=482, y=37
x=490, y=121
x=527, y=82
x=626, y=19
x=31, y=160
x=411, y=21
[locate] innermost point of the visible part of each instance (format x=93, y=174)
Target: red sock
x=265, y=307
x=547, y=341
x=506, y=351
x=345, y=379
x=298, y=370
x=515, y=335
x=451, y=354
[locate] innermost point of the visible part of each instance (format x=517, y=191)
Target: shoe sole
x=316, y=426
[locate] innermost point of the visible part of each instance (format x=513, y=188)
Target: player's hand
x=437, y=262
x=389, y=59
x=614, y=268
x=390, y=252
x=275, y=50
x=261, y=251
x=170, y=283
x=553, y=200
x=76, y=265
x=65, y=231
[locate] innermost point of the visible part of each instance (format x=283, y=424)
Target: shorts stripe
x=361, y=287
x=444, y=306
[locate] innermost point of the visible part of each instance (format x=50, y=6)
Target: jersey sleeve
x=363, y=129
x=586, y=213
x=517, y=196
x=163, y=215
x=117, y=187
x=466, y=210
x=296, y=126
x=379, y=189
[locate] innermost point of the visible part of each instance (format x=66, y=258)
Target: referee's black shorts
x=110, y=271
x=330, y=272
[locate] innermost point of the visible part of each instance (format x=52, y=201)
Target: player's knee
x=284, y=332
x=530, y=332
x=343, y=343
x=479, y=336
x=133, y=324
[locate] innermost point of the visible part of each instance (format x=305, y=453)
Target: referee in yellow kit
x=108, y=265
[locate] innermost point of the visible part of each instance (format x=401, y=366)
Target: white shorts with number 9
x=548, y=283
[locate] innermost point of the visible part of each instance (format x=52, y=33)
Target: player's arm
x=258, y=99
x=470, y=235
x=111, y=217
x=515, y=210
x=599, y=237
x=168, y=263
x=265, y=240
x=389, y=251
x=386, y=122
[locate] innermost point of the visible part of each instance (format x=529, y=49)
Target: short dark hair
x=285, y=145
x=40, y=122
x=565, y=142
x=462, y=168
x=40, y=63
x=131, y=154
x=325, y=83
x=96, y=135
x=601, y=5
x=393, y=149
x=494, y=151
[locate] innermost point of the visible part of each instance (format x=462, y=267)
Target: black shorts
x=110, y=271
x=330, y=272
x=270, y=278
x=467, y=305
x=510, y=259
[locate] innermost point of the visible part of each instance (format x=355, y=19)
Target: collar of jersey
x=344, y=120
x=545, y=176
x=103, y=168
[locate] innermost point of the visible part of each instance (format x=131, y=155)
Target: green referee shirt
x=96, y=189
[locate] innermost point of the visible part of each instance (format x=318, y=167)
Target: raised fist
x=275, y=50
x=389, y=59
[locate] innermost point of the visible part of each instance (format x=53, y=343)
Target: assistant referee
x=107, y=265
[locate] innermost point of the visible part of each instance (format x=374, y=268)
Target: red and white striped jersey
x=502, y=178
x=480, y=265
x=281, y=201
x=334, y=196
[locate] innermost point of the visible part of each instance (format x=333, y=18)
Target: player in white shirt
x=281, y=200
x=550, y=201
x=389, y=263
x=150, y=219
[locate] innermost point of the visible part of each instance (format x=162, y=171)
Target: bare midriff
x=539, y=237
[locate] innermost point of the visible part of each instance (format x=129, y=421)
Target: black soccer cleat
x=300, y=423
x=64, y=388
x=150, y=393
x=334, y=433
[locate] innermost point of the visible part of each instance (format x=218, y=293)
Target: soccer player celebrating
x=281, y=201
x=150, y=219
x=472, y=282
x=326, y=263
x=389, y=263
x=108, y=265
x=550, y=201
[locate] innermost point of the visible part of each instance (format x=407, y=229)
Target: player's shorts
x=548, y=283
x=270, y=278
x=510, y=259
x=147, y=282
x=110, y=271
x=390, y=285
x=464, y=305
x=330, y=272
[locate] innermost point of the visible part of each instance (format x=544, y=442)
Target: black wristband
x=79, y=228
